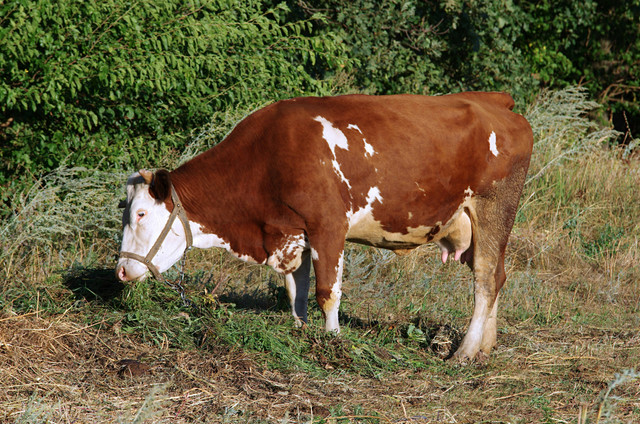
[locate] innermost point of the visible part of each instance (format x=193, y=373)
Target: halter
x=178, y=211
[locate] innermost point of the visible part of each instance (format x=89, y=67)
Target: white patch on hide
x=368, y=148
x=492, y=144
x=337, y=170
x=205, y=240
x=334, y=138
x=365, y=213
x=288, y=257
x=314, y=254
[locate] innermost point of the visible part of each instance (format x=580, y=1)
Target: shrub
x=430, y=47
x=111, y=83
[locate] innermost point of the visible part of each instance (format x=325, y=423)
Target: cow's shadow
x=257, y=301
x=93, y=284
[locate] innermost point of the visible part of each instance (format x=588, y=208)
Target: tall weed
x=63, y=217
x=574, y=219
x=563, y=129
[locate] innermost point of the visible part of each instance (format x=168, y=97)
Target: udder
x=457, y=238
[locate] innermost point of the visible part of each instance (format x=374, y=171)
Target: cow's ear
x=160, y=187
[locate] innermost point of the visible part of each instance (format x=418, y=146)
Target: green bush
x=412, y=46
x=111, y=83
x=117, y=85
x=511, y=45
x=595, y=44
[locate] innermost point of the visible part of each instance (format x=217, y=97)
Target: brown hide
x=267, y=177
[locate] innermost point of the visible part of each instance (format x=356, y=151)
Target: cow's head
x=146, y=213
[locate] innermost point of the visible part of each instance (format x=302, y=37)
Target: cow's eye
x=140, y=214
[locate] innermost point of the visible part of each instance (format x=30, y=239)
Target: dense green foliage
x=519, y=46
x=595, y=44
x=118, y=85
x=113, y=82
x=430, y=47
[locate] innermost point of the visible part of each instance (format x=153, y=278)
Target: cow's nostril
x=122, y=274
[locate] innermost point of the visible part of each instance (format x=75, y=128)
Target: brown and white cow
x=296, y=179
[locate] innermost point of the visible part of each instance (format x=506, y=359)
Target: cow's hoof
x=298, y=323
x=460, y=359
x=463, y=359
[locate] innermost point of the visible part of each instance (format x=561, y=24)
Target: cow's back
x=417, y=154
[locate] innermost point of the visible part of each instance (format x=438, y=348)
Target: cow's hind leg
x=492, y=216
x=297, y=284
x=485, y=296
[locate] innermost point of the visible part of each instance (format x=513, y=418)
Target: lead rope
x=178, y=286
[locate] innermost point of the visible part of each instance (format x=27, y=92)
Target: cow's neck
x=218, y=214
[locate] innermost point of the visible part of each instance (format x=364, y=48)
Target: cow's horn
x=147, y=175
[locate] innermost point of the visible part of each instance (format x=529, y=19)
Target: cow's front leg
x=329, y=292
x=328, y=262
x=297, y=283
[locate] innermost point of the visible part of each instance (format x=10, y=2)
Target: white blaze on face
x=143, y=221
x=334, y=138
x=492, y=144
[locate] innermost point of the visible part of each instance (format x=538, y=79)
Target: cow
x=296, y=179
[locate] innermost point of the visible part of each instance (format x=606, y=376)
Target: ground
x=548, y=367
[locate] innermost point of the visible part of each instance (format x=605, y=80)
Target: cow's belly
x=365, y=229
x=371, y=232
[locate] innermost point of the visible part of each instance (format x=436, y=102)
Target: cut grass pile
x=77, y=346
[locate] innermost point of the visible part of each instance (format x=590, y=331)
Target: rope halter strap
x=179, y=212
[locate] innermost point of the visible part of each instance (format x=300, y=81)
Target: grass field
x=76, y=346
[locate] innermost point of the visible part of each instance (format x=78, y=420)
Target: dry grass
x=75, y=346
x=64, y=372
